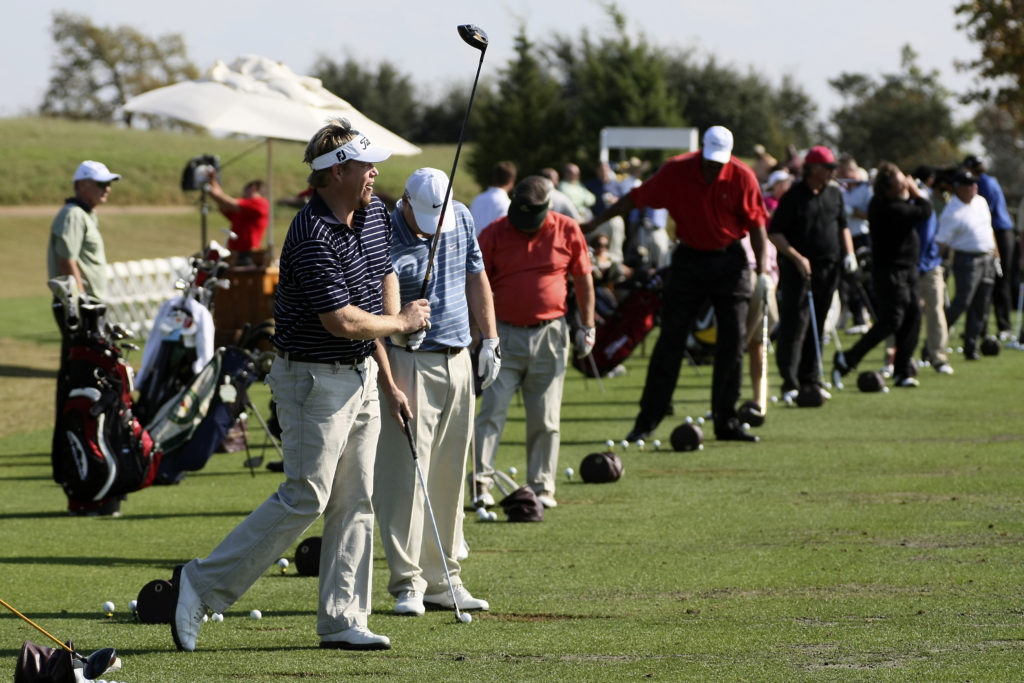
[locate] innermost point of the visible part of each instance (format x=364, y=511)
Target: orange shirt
x=528, y=273
x=706, y=216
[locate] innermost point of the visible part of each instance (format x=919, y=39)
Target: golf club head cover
x=686, y=437
x=307, y=556
x=810, y=397
x=870, y=381
x=751, y=413
x=601, y=468
x=38, y=664
x=989, y=346
x=489, y=363
x=522, y=506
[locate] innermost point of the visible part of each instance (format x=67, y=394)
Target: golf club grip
x=451, y=179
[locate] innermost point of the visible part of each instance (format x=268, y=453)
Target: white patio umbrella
x=260, y=97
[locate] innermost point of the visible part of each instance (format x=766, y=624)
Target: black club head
x=474, y=36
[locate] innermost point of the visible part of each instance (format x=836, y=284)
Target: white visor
x=359, y=148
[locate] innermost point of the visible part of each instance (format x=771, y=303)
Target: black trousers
x=795, y=351
x=899, y=314
x=1002, y=298
x=696, y=277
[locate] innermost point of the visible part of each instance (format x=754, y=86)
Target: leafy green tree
x=383, y=94
x=903, y=117
x=997, y=26
x=440, y=121
x=97, y=69
x=522, y=119
x=1004, y=150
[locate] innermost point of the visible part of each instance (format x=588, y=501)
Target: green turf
x=877, y=537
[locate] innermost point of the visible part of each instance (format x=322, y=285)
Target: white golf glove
x=489, y=362
x=584, y=343
x=410, y=341
x=850, y=263
x=999, y=267
x=765, y=285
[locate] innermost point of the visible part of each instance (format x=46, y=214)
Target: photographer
x=249, y=216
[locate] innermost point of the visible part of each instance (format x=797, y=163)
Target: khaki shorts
x=756, y=310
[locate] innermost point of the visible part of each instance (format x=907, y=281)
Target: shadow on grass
x=22, y=371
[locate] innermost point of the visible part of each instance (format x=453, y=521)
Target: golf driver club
x=814, y=331
x=597, y=375
x=94, y=665
x=764, y=352
x=475, y=37
x=1020, y=311
x=459, y=616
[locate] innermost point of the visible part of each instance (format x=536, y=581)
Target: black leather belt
x=542, y=323
x=446, y=350
x=301, y=358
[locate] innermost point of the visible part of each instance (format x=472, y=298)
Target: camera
x=199, y=170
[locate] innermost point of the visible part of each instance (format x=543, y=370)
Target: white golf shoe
x=355, y=638
x=410, y=603
x=467, y=603
x=188, y=614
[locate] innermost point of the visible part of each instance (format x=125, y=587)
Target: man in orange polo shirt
x=715, y=200
x=527, y=256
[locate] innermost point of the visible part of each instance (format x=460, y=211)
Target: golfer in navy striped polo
x=433, y=386
x=337, y=294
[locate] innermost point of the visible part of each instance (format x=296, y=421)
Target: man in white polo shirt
x=433, y=386
x=966, y=227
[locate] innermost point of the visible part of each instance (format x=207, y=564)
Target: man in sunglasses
x=76, y=249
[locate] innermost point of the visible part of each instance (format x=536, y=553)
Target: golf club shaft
x=597, y=375
x=1020, y=308
x=39, y=628
x=433, y=522
x=764, y=351
x=451, y=178
x=814, y=331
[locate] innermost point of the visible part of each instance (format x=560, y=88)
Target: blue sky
x=813, y=41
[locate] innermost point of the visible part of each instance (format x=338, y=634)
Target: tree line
x=547, y=104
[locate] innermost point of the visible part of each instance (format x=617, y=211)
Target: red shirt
x=249, y=223
x=528, y=273
x=706, y=216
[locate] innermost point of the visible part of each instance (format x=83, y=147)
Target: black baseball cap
x=531, y=199
x=964, y=177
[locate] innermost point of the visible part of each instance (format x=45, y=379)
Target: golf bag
x=101, y=450
x=624, y=330
x=190, y=425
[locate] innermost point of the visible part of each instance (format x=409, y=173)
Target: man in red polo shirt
x=249, y=216
x=527, y=256
x=715, y=200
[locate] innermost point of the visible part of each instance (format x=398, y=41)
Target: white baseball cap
x=425, y=190
x=359, y=148
x=717, y=145
x=94, y=170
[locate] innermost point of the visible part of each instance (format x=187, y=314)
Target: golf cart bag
x=624, y=330
x=190, y=425
x=101, y=450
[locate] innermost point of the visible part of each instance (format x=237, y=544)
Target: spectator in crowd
x=714, y=199
x=607, y=272
x=337, y=296
x=528, y=256
x=897, y=208
x=1002, y=224
x=810, y=232
x=605, y=187
x=965, y=226
x=794, y=161
x=492, y=203
x=75, y=248
x=249, y=216
x=560, y=203
x=778, y=184
x=571, y=186
x=857, y=192
x=431, y=391
x=764, y=164
x=931, y=281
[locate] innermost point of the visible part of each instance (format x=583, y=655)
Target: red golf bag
x=622, y=331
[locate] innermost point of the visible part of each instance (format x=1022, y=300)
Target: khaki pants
x=330, y=420
x=440, y=392
x=533, y=359
x=933, y=296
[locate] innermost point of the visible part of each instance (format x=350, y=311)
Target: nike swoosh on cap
x=436, y=206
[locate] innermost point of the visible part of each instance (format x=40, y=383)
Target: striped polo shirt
x=457, y=254
x=327, y=265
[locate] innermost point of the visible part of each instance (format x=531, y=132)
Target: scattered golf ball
x=745, y=426
x=609, y=443
x=689, y=420
x=640, y=444
x=256, y=614
x=949, y=349
x=108, y=608
x=885, y=390
x=700, y=420
x=789, y=400
x=466, y=618
x=512, y=471
x=481, y=512
x=492, y=516
x=624, y=444
x=206, y=618
x=569, y=472
x=700, y=447
x=707, y=415
x=828, y=385
x=133, y=605
x=775, y=399
x=959, y=349
x=217, y=616
x=657, y=445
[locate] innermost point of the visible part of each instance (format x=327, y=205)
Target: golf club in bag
x=475, y=37
x=92, y=666
x=463, y=617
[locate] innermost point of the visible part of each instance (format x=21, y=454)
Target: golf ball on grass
x=640, y=444
x=108, y=608
x=283, y=564
x=609, y=443
x=885, y=390
x=700, y=420
x=624, y=444
x=206, y=618
x=482, y=513
x=775, y=399
x=689, y=420
x=217, y=617
x=466, y=618
x=657, y=445
x=255, y=614
x=133, y=605
x=492, y=516
x=512, y=471
x=569, y=472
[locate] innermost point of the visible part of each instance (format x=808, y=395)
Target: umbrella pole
x=269, y=259
x=203, y=211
